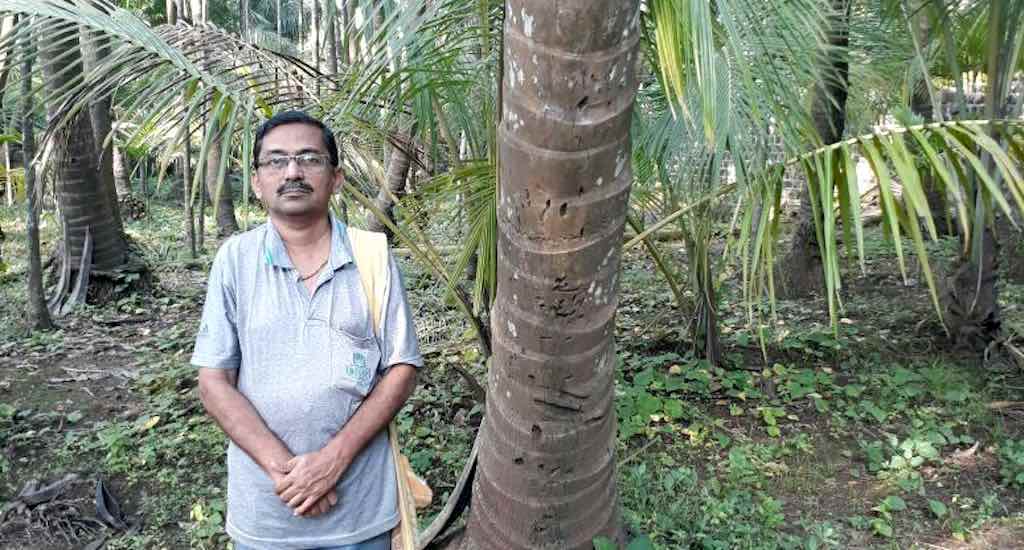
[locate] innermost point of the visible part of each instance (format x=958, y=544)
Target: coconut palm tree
x=88, y=208
x=802, y=264
x=563, y=192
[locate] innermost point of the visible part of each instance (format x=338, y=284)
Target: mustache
x=294, y=185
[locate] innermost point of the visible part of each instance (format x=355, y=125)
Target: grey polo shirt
x=306, y=363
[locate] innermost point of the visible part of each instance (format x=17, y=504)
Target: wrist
x=338, y=453
x=275, y=462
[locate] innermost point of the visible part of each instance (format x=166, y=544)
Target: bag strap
x=370, y=254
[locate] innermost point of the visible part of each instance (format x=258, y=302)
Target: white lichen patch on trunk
x=527, y=24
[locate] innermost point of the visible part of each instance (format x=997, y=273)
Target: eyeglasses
x=306, y=161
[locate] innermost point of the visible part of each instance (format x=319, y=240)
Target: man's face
x=291, y=187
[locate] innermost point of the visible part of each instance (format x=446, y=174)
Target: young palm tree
x=801, y=267
x=38, y=313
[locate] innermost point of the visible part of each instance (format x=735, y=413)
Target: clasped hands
x=306, y=482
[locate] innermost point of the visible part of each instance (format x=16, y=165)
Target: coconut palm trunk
x=394, y=179
x=84, y=202
x=971, y=297
x=802, y=268
x=546, y=471
x=921, y=105
x=95, y=48
x=220, y=195
x=218, y=191
x=121, y=183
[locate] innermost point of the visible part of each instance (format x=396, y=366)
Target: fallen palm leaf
x=107, y=508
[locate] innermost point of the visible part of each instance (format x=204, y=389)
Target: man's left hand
x=307, y=478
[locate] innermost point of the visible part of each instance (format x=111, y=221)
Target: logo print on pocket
x=358, y=370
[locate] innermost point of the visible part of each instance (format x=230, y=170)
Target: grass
x=875, y=437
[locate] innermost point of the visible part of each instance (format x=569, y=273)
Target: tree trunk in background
x=190, y=227
x=546, y=471
x=394, y=178
x=921, y=105
x=243, y=19
x=221, y=197
x=39, y=316
x=298, y=33
x=801, y=269
x=84, y=202
x=8, y=180
x=171, y=8
x=351, y=34
x=332, y=39
x=376, y=19
x=95, y=48
x=121, y=181
x=186, y=192
x=6, y=26
x=144, y=176
x=344, y=42
x=316, y=41
x=203, y=198
x=277, y=17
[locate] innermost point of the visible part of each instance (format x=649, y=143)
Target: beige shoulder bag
x=370, y=252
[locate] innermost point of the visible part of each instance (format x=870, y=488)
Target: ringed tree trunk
x=95, y=48
x=121, y=183
x=802, y=267
x=394, y=178
x=220, y=196
x=83, y=199
x=546, y=471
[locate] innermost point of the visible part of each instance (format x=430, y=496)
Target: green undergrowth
x=872, y=434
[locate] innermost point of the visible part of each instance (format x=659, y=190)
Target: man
x=289, y=366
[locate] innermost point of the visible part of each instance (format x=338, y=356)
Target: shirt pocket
x=353, y=361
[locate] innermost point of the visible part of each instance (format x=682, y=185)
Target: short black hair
x=295, y=117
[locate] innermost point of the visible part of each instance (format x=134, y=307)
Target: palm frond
x=951, y=150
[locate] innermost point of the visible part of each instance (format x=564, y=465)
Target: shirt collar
x=275, y=254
